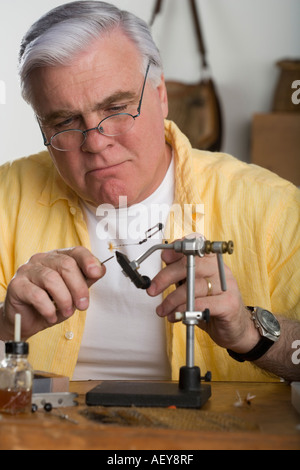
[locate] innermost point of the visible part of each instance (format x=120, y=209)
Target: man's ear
x=163, y=96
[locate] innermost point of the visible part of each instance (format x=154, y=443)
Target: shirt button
x=69, y=335
x=73, y=210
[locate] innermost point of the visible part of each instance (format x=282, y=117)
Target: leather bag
x=196, y=107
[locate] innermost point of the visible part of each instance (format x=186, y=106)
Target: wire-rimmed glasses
x=111, y=126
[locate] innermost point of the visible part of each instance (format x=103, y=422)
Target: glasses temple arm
x=144, y=84
x=42, y=132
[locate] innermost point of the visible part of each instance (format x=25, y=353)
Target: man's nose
x=95, y=141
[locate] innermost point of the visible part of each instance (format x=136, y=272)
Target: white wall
x=244, y=40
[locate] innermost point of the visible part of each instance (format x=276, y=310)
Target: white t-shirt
x=124, y=338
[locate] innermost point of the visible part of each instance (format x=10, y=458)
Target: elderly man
x=94, y=79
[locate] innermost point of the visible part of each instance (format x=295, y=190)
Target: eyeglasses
x=111, y=126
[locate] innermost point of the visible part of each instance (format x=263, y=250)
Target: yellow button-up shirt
x=256, y=209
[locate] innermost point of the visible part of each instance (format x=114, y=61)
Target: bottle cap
x=17, y=347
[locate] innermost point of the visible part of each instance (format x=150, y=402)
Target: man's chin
x=114, y=193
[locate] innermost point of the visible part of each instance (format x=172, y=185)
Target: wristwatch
x=269, y=328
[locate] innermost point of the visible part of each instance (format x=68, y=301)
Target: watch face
x=269, y=322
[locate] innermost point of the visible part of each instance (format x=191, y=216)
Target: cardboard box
x=276, y=144
x=295, y=386
x=45, y=382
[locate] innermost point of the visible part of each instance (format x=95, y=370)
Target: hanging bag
x=196, y=108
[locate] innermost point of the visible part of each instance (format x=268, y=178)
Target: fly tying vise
x=189, y=392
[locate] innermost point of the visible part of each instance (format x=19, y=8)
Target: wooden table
x=273, y=424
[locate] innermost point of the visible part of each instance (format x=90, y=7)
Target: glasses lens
x=111, y=126
x=116, y=124
x=68, y=140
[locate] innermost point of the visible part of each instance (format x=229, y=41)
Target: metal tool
x=190, y=392
x=56, y=399
x=108, y=259
x=191, y=247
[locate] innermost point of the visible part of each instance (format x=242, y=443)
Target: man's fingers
x=88, y=263
x=170, y=256
x=25, y=296
x=175, y=271
x=66, y=275
x=50, y=286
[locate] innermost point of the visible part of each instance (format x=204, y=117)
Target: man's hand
x=49, y=288
x=230, y=325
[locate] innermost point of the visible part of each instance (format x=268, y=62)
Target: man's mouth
x=105, y=169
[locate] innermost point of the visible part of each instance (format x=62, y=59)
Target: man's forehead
x=97, y=77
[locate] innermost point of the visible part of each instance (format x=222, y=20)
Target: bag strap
x=156, y=11
x=199, y=34
x=197, y=25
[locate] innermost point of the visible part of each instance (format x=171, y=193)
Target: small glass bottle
x=16, y=377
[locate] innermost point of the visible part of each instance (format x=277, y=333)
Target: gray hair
x=58, y=36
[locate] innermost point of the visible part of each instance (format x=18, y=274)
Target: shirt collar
x=186, y=184
x=55, y=188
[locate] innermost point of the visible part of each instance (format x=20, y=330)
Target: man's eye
x=117, y=109
x=66, y=123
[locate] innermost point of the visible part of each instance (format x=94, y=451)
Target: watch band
x=261, y=347
x=258, y=351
